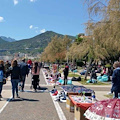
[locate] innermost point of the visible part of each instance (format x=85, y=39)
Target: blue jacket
x=116, y=80
x=24, y=69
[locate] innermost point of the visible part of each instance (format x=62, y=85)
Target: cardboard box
x=69, y=105
x=79, y=113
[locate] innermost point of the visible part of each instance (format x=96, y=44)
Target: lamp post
x=67, y=51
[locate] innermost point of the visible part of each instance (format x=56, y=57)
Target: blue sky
x=21, y=19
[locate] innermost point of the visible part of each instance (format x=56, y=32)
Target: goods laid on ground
x=54, y=78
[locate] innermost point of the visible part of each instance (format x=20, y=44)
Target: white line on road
x=56, y=104
x=58, y=109
x=5, y=105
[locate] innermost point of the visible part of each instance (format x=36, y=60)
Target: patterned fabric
x=76, y=89
x=104, y=110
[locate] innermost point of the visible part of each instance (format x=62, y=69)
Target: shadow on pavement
x=23, y=99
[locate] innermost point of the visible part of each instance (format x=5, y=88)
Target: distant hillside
x=8, y=39
x=31, y=45
x=2, y=41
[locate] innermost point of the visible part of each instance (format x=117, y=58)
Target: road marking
x=5, y=105
x=44, y=77
x=56, y=104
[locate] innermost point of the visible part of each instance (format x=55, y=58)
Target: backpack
x=1, y=75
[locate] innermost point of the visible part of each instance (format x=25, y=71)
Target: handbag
x=4, y=80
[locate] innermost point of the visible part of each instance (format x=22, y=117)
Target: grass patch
x=73, y=75
x=98, y=83
x=109, y=96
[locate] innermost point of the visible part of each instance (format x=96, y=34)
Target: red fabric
x=107, y=108
x=29, y=61
x=55, y=93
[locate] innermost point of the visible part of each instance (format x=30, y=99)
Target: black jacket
x=24, y=69
x=15, y=72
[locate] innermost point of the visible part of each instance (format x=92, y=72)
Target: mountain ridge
x=8, y=39
x=32, y=45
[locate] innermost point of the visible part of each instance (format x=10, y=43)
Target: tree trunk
x=88, y=69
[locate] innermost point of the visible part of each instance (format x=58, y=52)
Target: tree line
x=102, y=39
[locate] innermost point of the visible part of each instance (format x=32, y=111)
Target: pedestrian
x=116, y=79
x=66, y=71
x=15, y=78
x=2, y=74
x=35, y=73
x=7, y=65
x=24, y=72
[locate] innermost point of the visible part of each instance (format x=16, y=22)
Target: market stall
x=81, y=104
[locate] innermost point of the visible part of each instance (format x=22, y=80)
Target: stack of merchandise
x=81, y=99
x=58, y=95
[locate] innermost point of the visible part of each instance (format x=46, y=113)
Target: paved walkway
x=40, y=105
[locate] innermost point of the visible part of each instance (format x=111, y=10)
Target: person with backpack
x=2, y=74
x=15, y=78
x=35, y=72
x=24, y=71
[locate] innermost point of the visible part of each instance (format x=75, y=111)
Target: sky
x=22, y=19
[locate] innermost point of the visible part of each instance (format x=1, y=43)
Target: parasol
x=104, y=110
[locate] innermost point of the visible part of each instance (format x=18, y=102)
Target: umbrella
x=104, y=110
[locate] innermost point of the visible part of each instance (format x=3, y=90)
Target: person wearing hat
x=24, y=72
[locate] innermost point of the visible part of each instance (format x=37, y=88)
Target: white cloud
x=32, y=0
x=31, y=26
x=42, y=31
x=15, y=2
x=1, y=19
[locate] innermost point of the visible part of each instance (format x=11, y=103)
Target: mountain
x=2, y=41
x=8, y=39
x=32, y=45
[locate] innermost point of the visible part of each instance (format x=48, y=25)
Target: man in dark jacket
x=7, y=65
x=66, y=71
x=116, y=79
x=24, y=71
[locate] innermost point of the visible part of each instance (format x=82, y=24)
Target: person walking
x=2, y=74
x=24, y=71
x=66, y=71
x=15, y=78
x=116, y=79
x=35, y=73
x=7, y=65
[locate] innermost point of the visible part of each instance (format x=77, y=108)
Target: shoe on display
x=64, y=98
x=55, y=93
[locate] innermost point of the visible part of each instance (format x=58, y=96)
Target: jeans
x=65, y=79
x=35, y=81
x=23, y=81
x=1, y=85
x=14, y=86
